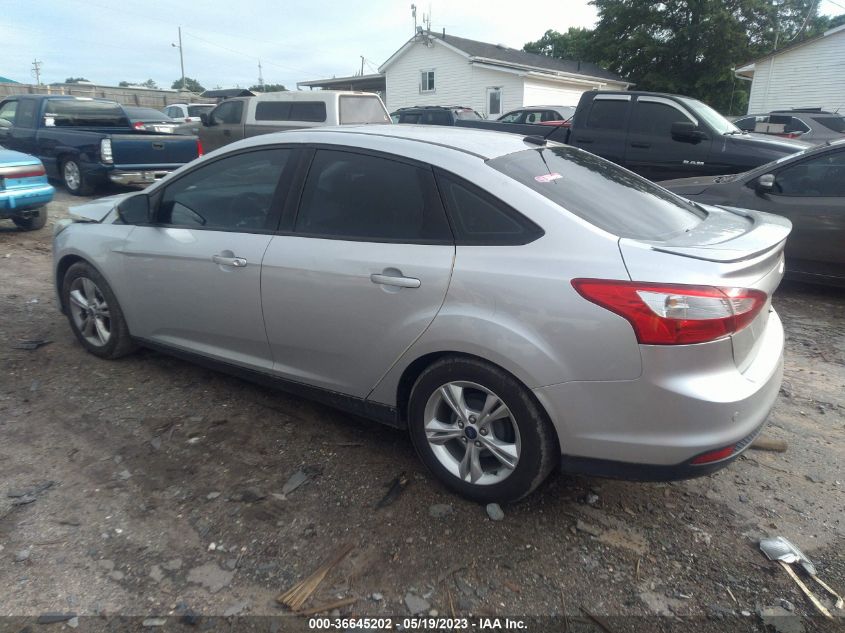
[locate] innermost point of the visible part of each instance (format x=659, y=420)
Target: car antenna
x=535, y=140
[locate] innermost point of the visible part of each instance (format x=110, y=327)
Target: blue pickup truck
x=88, y=142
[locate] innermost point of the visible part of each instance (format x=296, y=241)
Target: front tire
x=94, y=314
x=74, y=179
x=480, y=431
x=32, y=222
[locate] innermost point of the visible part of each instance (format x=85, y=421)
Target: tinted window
x=835, y=123
x=512, y=117
x=436, y=117
x=796, y=126
x=290, y=111
x=233, y=193
x=409, y=117
x=196, y=110
x=272, y=111
x=7, y=111
x=823, y=176
x=479, y=218
x=747, y=124
x=26, y=113
x=147, y=114
x=82, y=113
x=228, y=112
x=608, y=114
x=354, y=196
x=361, y=110
x=655, y=118
x=601, y=193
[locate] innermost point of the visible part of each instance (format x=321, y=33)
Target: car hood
x=696, y=185
x=766, y=141
x=95, y=211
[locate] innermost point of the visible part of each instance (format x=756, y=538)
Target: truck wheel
x=74, y=180
x=32, y=222
x=94, y=314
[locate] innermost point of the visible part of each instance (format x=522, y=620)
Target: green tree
x=74, y=80
x=268, y=88
x=575, y=44
x=190, y=84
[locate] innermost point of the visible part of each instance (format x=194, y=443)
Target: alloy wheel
x=90, y=312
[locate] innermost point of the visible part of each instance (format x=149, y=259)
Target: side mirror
x=765, y=184
x=5, y=123
x=135, y=209
x=687, y=132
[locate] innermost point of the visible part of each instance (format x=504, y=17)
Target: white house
x=440, y=69
x=808, y=74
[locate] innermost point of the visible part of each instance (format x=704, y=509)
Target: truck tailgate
x=153, y=150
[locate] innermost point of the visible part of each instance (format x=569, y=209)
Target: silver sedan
x=514, y=305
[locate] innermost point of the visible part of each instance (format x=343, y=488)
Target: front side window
x=512, y=117
x=819, y=177
x=655, y=118
x=596, y=190
x=27, y=113
x=232, y=194
x=228, y=112
x=607, y=114
x=7, y=112
x=369, y=198
x=427, y=81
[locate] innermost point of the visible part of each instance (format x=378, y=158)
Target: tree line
x=688, y=47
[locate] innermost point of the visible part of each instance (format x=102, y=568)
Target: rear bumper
x=689, y=400
x=15, y=202
x=139, y=177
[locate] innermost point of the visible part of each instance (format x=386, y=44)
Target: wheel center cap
x=470, y=432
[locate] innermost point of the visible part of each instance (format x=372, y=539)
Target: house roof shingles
x=512, y=56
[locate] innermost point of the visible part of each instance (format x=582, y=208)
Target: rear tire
x=74, y=179
x=499, y=449
x=94, y=314
x=32, y=222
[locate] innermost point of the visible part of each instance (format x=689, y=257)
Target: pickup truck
x=659, y=136
x=87, y=142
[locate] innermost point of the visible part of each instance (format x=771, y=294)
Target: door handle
x=227, y=132
x=391, y=280
x=641, y=145
x=584, y=140
x=235, y=262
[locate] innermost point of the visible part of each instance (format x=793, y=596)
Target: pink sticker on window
x=548, y=177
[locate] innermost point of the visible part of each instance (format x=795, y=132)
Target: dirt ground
x=153, y=487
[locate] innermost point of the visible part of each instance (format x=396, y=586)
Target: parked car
x=659, y=136
x=24, y=190
x=812, y=125
x=470, y=286
x=435, y=115
x=542, y=115
x=88, y=142
x=188, y=112
x=150, y=119
x=242, y=117
x=808, y=189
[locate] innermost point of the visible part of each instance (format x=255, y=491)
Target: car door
x=225, y=125
x=359, y=272
x=195, y=272
x=811, y=194
x=650, y=149
x=604, y=129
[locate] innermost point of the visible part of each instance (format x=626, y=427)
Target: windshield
x=355, y=109
x=715, y=120
x=196, y=110
x=467, y=115
x=603, y=194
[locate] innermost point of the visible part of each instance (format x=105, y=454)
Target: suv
x=435, y=115
x=812, y=125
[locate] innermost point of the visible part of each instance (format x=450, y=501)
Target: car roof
x=484, y=144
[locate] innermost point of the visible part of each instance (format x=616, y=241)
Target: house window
x=494, y=101
x=427, y=81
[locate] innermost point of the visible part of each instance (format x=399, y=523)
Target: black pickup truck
x=659, y=136
x=87, y=142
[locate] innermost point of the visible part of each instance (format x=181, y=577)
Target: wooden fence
x=147, y=97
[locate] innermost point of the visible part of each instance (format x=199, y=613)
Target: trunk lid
x=729, y=248
x=152, y=150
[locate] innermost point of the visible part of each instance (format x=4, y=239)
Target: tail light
x=105, y=151
x=664, y=314
x=199, y=148
x=138, y=125
x=22, y=171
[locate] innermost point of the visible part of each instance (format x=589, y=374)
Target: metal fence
x=148, y=97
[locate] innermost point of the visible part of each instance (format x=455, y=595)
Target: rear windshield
x=603, y=194
x=835, y=123
x=196, y=110
x=84, y=113
x=362, y=110
x=146, y=113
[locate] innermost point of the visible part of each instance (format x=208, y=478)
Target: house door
x=494, y=102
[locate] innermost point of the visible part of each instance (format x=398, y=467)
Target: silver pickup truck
x=242, y=117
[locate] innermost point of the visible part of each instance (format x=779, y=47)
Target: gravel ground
x=153, y=487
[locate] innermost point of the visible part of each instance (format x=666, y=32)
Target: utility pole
x=181, y=59
x=260, y=76
x=362, y=65
x=36, y=70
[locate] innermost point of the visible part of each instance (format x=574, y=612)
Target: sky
x=223, y=41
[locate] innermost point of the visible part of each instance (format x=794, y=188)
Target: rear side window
x=369, y=198
x=312, y=111
x=596, y=190
x=84, y=113
x=480, y=219
x=608, y=114
x=747, y=124
x=436, y=117
x=361, y=110
x=835, y=123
